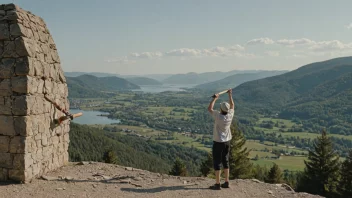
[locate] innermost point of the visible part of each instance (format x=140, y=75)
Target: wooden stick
x=63, y=118
x=225, y=91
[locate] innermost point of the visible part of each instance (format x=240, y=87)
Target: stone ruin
x=30, y=144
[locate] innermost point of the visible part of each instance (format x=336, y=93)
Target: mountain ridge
x=315, y=93
x=237, y=79
x=88, y=85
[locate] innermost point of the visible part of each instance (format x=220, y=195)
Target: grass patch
x=292, y=163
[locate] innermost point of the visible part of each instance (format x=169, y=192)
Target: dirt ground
x=99, y=180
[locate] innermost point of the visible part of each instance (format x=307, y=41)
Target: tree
x=110, y=157
x=179, y=168
x=322, y=168
x=260, y=172
x=240, y=164
x=207, y=165
x=345, y=186
x=291, y=178
x=256, y=157
x=275, y=175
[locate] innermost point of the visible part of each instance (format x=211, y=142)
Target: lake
x=162, y=88
x=91, y=117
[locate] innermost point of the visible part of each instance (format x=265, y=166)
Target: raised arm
x=232, y=104
x=211, y=105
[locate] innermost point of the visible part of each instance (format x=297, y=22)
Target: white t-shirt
x=222, y=131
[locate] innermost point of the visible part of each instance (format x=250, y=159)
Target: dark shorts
x=221, y=154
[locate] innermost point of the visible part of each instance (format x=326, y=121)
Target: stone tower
x=30, y=144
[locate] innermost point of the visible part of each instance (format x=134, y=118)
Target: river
x=92, y=117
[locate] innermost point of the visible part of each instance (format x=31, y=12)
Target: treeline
x=341, y=145
x=90, y=144
x=324, y=173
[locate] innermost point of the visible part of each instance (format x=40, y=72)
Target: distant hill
x=207, y=77
x=320, y=92
x=82, y=85
x=96, y=74
x=143, y=81
x=237, y=79
x=201, y=78
x=158, y=77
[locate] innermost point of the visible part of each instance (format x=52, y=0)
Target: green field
x=289, y=124
x=256, y=145
x=293, y=163
x=285, y=162
x=313, y=135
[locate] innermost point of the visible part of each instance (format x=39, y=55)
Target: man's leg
x=227, y=174
x=217, y=164
x=217, y=176
x=226, y=164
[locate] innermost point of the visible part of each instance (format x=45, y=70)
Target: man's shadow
x=161, y=189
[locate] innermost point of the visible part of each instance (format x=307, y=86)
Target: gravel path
x=105, y=180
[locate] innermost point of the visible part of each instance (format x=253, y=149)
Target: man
x=221, y=138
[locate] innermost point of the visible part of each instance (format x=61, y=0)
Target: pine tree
x=260, y=172
x=110, y=157
x=275, y=175
x=179, y=168
x=207, y=165
x=322, y=168
x=346, y=177
x=291, y=178
x=240, y=164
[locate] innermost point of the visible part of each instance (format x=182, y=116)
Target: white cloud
x=120, y=60
x=331, y=46
x=296, y=56
x=303, y=46
x=272, y=53
x=294, y=42
x=148, y=55
x=184, y=52
x=218, y=51
x=349, y=26
x=265, y=41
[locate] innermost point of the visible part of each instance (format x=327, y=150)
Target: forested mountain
x=201, y=78
x=319, y=93
x=237, y=79
x=143, y=81
x=79, y=90
x=96, y=74
x=89, y=144
x=89, y=85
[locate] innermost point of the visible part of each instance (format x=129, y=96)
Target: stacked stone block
x=30, y=144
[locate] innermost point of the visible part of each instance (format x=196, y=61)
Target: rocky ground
x=107, y=180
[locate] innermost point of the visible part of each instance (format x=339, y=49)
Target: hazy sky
x=164, y=36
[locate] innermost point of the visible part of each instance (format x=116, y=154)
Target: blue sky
x=164, y=36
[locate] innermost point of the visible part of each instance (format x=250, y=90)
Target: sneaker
x=225, y=185
x=215, y=187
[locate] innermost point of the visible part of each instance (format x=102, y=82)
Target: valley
x=180, y=118
x=281, y=116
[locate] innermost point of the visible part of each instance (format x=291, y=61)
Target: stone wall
x=30, y=145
